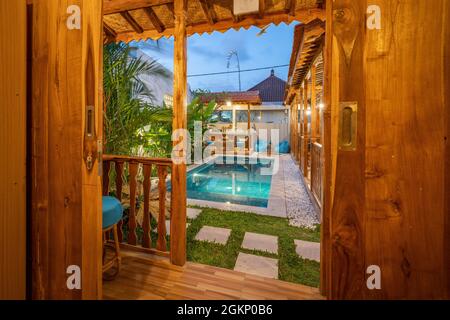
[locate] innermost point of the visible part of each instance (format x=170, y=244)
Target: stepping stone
x=168, y=227
x=257, y=265
x=308, y=250
x=213, y=234
x=193, y=213
x=261, y=242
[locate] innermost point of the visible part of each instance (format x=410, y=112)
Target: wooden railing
x=135, y=175
x=316, y=171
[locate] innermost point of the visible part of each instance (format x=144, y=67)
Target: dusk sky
x=208, y=53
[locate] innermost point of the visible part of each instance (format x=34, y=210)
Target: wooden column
x=66, y=185
x=294, y=128
x=291, y=130
x=314, y=118
x=297, y=128
x=247, y=141
x=178, y=219
x=13, y=131
x=294, y=132
x=304, y=163
x=301, y=129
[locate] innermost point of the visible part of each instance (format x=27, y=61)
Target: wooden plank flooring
x=145, y=276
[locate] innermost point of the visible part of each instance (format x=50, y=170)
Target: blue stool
x=112, y=214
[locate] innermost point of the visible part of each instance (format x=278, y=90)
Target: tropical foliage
x=127, y=115
x=132, y=125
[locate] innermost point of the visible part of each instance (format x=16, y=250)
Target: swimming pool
x=233, y=180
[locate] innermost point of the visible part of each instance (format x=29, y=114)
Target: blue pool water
x=235, y=182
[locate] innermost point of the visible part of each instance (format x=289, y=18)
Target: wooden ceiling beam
x=171, y=9
x=133, y=23
x=209, y=12
x=117, y=6
x=159, y=26
x=290, y=7
x=305, y=16
x=262, y=8
x=110, y=32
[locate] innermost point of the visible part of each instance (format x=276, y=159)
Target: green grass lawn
x=290, y=267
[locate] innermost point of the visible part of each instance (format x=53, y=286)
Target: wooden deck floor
x=145, y=276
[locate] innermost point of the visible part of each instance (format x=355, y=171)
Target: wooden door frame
x=343, y=251
x=65, y=193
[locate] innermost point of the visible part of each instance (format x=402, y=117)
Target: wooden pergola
x=125, y=20
x=245, y=98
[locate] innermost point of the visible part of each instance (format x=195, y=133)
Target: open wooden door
x=66, y=148
x=13, y=149
x=387, y=149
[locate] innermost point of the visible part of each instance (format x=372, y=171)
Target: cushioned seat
x=282, y=147
x=112, y=211
x=261, y=146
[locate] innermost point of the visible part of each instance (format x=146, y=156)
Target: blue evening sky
x=208, y=53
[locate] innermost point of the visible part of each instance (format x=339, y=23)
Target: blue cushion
x=283, y=147
x=112, y=211
x=261, y=146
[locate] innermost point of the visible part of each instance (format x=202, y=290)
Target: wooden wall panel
x=66, y=207
x=446, y=36
x=390, y=198
x=406, y=150
x=13, y=145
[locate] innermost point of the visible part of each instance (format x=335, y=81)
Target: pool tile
x=193, y=213
x=261, y=242
x=213, y=234
x=257, y=265
x=308, y=250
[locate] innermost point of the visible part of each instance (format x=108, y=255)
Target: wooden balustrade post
x=105, y=185
x=178, y=217
x=118, y=166
x=146, y=237
x=162, y=175
x=132, y=238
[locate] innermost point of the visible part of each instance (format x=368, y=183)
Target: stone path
x=261, y=242
x=213, y=234
x=299, y=208
x=257, y=265
x=193, y=213
x=308, y=250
